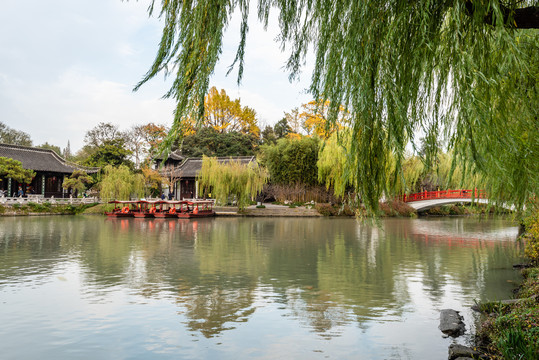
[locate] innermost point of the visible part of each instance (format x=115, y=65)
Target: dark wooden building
x=50, y=169
x=173, y=160
x=185, y=175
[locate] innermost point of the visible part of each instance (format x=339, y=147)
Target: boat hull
x=143, y=215
x=201, y=214
x=119, y=214
x=165, y=215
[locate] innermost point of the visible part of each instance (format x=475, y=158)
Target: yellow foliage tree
x=226, y=115
x=315, y=115
x=152, y=181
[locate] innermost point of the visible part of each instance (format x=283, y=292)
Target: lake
x=87, y=287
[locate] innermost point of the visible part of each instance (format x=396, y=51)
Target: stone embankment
x=270, y=210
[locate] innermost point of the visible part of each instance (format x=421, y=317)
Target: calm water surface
x=236, y=288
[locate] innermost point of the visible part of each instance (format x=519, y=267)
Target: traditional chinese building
x=50, y=169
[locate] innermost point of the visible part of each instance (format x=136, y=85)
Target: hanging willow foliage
x=459, y=69
x=119, y=183
x=409, y=177
x=231, y=178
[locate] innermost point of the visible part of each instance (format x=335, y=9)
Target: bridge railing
x=444, y=194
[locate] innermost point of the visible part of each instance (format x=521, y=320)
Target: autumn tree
x=153, y=135
x=314, y=119
x=465, y=70
x=152, y=181
x=227, y=115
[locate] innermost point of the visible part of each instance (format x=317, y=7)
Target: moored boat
x=167, y=209
x=162, y=209
x=196, y=209
x=122, y=209
x=145, y=209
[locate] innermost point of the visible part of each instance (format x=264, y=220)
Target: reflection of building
x=183, y=172
x=49, y=167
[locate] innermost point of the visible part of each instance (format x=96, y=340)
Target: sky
x=67, y=65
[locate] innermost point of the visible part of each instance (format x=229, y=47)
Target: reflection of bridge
x=429, y=199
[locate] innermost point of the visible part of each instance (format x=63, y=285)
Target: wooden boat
x=162, y=209
x=145, y=209
x=167, y=209
x=196, y=209
x=121, y=209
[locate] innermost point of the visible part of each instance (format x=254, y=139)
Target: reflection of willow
x=332, y=271
x=230, y=261
x=360, y=270
x=48, y=239
x=210, y=311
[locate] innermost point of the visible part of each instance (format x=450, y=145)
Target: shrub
x=346, y=210
x=325, y=209
x=531, y=237
x=45, y=207
x=396, y=208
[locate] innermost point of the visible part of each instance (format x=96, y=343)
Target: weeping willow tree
x=412, y=175
x=231, y=178
x=119, y=183
x=459, y=69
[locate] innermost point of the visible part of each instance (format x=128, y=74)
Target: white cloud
x=73, y=65
x=76, y=102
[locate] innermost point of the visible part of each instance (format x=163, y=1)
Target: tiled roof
x=41, y=159
x=191, y=167
x=175, y=155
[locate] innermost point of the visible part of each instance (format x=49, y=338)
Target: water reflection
x=328, y=275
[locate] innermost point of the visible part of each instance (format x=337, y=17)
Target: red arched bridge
x=429, y=199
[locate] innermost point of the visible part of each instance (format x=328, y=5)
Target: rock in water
x=457, y=351
x=451, y=323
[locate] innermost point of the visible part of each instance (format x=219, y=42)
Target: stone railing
x=40, y=199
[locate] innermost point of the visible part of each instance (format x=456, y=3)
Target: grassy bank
x=44, y=208
x=463, y=210
x=510, y=330
x=386, y=209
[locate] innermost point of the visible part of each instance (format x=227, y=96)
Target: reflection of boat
x=162, y=209
x=196, y=209
x=121, y=209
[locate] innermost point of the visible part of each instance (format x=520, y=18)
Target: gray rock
x=457, y=351
x=451, y=323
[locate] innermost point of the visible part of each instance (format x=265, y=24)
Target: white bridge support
x=422, y=205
